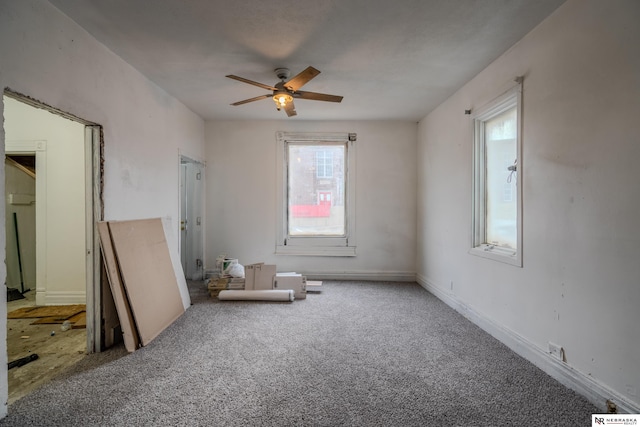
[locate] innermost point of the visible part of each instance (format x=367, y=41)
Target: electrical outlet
x=556, y=350
x=631, y=390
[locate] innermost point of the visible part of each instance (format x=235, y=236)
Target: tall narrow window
x=497, y=225
x=310, y=178
x=316, y=200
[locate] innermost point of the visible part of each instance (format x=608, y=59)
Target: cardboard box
x=297, y=283
x=314, y=286
x=259, y=276
x=249, y=276
x=264, y=277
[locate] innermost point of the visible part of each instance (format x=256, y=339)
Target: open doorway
x=52, y=263
x=191, y=218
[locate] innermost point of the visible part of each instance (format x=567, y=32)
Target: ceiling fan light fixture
x=282, y=99
x=285, y=91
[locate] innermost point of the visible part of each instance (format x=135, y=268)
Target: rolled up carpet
x=258, y=295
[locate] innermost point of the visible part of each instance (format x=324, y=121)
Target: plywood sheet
x=59, y=311
x=79, y=321
x=129, y=333
x=147, y=274
x=79, y=318
x=48, y=321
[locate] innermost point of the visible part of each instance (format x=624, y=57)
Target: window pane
x=324, y=163
x=501, y=204
x=316, y=182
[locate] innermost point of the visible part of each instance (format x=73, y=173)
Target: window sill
x=504, y=255
x=338, y=251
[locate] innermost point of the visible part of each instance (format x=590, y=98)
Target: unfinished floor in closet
x=57, y=350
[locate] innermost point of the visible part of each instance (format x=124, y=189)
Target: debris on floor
x=75, y=315
x=22, y=361
x=14, y=294
x=259, y=277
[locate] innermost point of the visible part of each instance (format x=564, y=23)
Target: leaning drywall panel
x=148, y=275
x=129, y=333
x=175, y=261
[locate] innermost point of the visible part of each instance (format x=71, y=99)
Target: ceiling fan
x=285, y=91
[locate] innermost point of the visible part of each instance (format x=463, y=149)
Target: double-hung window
x=316, y=201
x=497, y=195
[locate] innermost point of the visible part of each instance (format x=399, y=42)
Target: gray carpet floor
x=357, y=354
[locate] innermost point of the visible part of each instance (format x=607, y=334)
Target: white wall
x=18, y=181
x=580, y=284
x=63, y=210
x=47, y=56
x=241, y=209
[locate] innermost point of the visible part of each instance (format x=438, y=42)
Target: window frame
x=479, y=246
x=316, y=245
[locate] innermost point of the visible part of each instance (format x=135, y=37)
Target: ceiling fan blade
x=301, y=79
x=290, y=109
x=251, y=82
x=257, y=98
x=317, y=96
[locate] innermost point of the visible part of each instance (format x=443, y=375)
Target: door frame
x=37, y=148
x=94, y=203
x=195, y=247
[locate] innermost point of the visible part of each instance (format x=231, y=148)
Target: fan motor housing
x=282, y=73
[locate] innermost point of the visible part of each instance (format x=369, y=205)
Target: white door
x=191, y=218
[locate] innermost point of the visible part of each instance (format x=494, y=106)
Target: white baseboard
x=64, y=297
x=592, y=390
x=378, y=276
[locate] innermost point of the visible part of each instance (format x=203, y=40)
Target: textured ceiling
x=392, y=60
